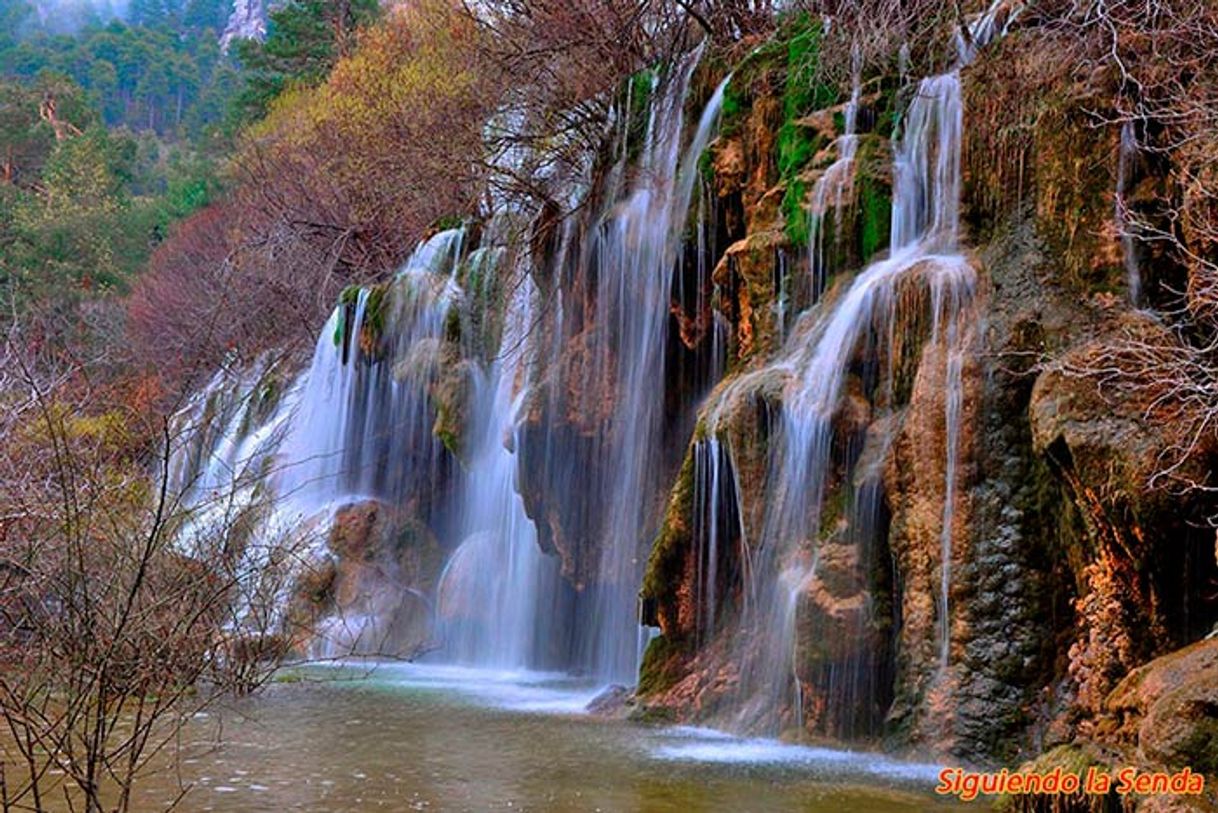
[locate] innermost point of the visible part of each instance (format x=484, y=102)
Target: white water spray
x=924, y=252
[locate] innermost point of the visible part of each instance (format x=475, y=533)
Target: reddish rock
x=1170, y=708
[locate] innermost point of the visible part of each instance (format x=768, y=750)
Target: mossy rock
x=1032, y=147
x=665, y=564
x=450, y=395
x=662, y=666
x=653, y=715
x=748, y=277
x=1071, y=758
x=371, y=338
x=1171, y=706
x=874, y=204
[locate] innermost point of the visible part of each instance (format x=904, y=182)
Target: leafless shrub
x=113, y=629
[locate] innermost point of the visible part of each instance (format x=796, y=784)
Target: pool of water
x=405, y=737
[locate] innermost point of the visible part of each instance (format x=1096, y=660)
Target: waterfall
x=924, y=252
x=358, y=423
x=363, y=427
x=831, y=188
x=717, y=525
x=268, y=456
x=226, y=432
x=632, y=257
x=1126, y=156
x=222, y=447
x=496, y=593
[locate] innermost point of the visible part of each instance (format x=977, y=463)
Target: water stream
x=1127, y=155
x=632, y=254
x=363, y=427
x=496, y=594
x=924, y=253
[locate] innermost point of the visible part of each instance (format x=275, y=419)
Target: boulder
x=372, y=593
x=1170, y=708
x=612, y=702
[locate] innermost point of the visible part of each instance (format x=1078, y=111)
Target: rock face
x=247, y=21
x=1073, y=562
x=372, y=594
x=1169, y=709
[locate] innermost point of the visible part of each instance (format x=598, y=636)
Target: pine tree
x=304, y=40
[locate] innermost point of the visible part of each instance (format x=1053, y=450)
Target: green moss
x=664, y=563
x=449, y=222
x=452, y=326
x=372, y=327
x=656, y=673
x=639, y=88
x=794, y=214
x=735, y=105
x=374, y=309
x=482, y=317
x=347, y=300
x=796, y=144
x=796, y=147
x=834, y=509
x=450, y=441
x=445, y=430
x=1072, y=758
x=706, y=166
x=875, y=217
x=655, y=715
x=739, y=93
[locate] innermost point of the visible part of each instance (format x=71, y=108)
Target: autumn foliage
x=335, y=186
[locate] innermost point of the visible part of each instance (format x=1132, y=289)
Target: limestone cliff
x=1070, y=564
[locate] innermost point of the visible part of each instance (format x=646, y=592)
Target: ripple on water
x=404, y=736
x=704, y=745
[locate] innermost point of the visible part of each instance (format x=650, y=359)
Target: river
x=406, y=737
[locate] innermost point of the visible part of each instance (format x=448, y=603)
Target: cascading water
x=271, y=462
x=835, y=183
x=363, y=427
x=222, y=451
x=634, y=253
x=361, y=420
x=496, y=594
x=1126, y=156
x=227, y=431
x=717, y=527
x=924, y=253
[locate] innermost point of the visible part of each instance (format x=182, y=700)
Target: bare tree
x=115, y=627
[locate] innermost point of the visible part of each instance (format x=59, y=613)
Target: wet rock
x=360, y=530
x=915, y=478
x=612, y=702
x=451, y=394
x=371, y=593
x=747, y=272
x=1170, y=708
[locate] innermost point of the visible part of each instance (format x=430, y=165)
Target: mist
x=68, y=16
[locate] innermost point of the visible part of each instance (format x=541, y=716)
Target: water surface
x=404, y=737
